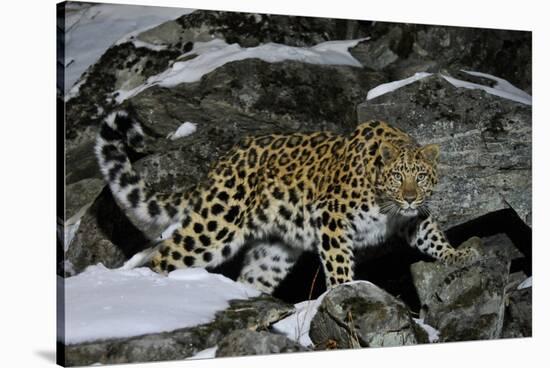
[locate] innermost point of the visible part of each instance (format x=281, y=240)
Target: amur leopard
x=323, y=192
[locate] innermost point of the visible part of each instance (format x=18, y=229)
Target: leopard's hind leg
x=267, y=264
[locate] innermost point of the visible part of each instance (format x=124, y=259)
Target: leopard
x=328, y=193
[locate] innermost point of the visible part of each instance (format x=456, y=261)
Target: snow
x=296, y=326
x=132, y=37
x=183, y=130
x=205, y=354
x=527, y=283
x=502, y=88
x=75, y=90
x=433, y=334
x=102, y=303
x=139, y=259
x=70, y=231
x=90, y=29
x=216, y=53
x=68, y=267
x=392, y=86
x=502, y=84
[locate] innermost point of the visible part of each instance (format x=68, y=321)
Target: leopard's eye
x=421, y=176
x=397, y=176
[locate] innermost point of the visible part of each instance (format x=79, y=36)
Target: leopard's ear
x=430, y=153
x=388, y=152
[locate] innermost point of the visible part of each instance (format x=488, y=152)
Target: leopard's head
x=407, y=178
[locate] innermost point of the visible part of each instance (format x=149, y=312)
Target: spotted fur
x=320, y=191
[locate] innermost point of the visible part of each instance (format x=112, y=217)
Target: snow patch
x=169, y=231
x=216, y=53
x=68, y=268
x=433, y=334
x=296, y=326
x=75, y=90
x=183, y=130
x=71, y=226
x=103, y=304
x=502, y=84
x=70, y=231
x=392, y=86
x=527, y=283
x=132, y=37
x=205, y=354
x=502, y=88
x=139, y=259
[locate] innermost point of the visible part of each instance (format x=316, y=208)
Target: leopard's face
x=407, y=179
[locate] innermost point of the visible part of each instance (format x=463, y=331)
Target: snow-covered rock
x=90, y=29
x=104, y=304
x=136, y=315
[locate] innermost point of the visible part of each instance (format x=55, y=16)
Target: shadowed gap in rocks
x=390, y=268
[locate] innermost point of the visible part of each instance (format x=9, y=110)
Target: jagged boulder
x=518, y=313
x=465, y=303
x=485, y=140
x=252, y=314
x=361, y=315
x=246, y=342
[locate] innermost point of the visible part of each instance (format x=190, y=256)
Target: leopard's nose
x=409, y=198
x=409, y=194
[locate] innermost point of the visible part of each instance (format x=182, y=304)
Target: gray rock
x=463, y=303
x=518, y=314
x=104, y=235
x=485, y=162
x=252, y=314
x=247, y=342
x=80, y=162
x=125, y=64
x=361, y=315
x=403, y=49
x=249, y=30
x=500, y=246
x=378, y=54
x=81, y=194
x=170, y=33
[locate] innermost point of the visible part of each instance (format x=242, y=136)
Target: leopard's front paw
x=468, y=252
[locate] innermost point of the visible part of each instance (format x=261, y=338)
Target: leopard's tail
x=151, y=212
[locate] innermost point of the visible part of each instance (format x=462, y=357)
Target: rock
x=245, y=342
x=255, y=97
x=518, y=315
x=361, y=315
x=403, y=49
x=104, y=235
x=463, y=303
x=500, y=246
x=129, y=65
x=485, y=140
x=378, y=54
x=252, y=314
x=170, y=33
x=249, y=30
x=81, y=162
x=81, y=194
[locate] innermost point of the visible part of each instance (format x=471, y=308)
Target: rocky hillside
x=283, y=74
